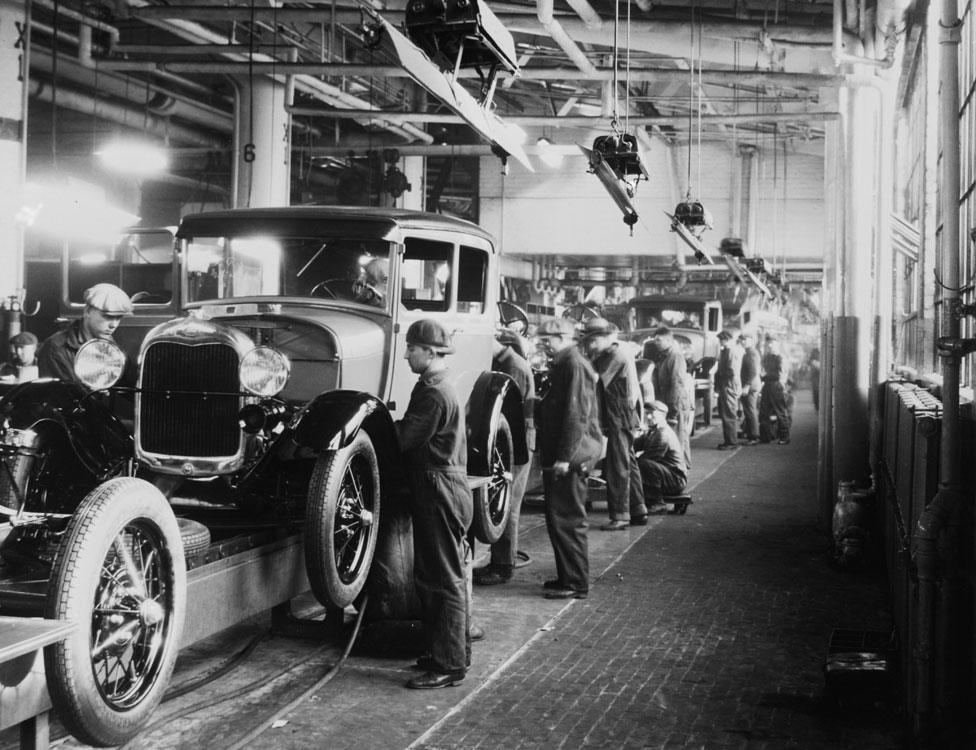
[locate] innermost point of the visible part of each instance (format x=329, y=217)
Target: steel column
x=263, y=148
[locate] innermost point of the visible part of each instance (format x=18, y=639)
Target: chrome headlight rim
x=99, y=364
x=264, y=371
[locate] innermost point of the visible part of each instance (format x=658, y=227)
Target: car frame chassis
x=216, y=486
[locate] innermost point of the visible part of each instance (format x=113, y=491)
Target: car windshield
x=338, y=268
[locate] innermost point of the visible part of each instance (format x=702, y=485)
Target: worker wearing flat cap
x=620, y=407
x=570, y=442
x=105, y=306
x=434, y=445
x=661, y=458
x=22, y=366
x=728, y=387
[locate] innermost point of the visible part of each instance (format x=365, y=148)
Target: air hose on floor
x=257, y=684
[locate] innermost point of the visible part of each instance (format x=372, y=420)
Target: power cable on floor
x=333, y=671
x=257, y=684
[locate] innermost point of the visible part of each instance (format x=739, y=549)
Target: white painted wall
x=566, y=210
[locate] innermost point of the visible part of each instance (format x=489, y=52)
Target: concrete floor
x=366, y=705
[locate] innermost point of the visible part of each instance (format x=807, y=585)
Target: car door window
x=427, y=275
x=472, y=278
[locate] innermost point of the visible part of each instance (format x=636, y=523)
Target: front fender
x=331, y=420
x=98, y=437
x=494, y=393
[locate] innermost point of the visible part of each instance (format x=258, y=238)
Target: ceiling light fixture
x=134, y=157
x=547, y=154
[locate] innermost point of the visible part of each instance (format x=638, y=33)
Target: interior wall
x=567, y=211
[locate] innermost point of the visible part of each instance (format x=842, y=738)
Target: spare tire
x=195, y=537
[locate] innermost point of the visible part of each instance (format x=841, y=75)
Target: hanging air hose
x=257, y=684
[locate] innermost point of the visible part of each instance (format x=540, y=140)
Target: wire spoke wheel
x=120, y=574
x=129, y=620
x=353, y=520
x=492, y=504
x=342, y=521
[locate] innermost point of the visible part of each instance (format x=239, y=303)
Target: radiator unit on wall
x=910, y=454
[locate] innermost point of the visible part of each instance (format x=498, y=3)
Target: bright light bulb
x=134, y=157
x=547, y=154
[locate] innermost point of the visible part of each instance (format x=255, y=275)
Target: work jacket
x=569, y=428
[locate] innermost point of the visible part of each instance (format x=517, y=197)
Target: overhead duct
x=555, y=30
x=131, y=117
x=307, y=84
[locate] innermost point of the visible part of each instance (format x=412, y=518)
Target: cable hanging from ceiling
x=615, y=158
x=690, y=218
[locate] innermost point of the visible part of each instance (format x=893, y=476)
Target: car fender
x=494, y=393
x=98, y=438
x=332, y=420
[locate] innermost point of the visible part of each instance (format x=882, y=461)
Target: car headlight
x=99, y=364
x=264, y=371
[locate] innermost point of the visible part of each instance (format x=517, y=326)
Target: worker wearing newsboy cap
x=432, y=439
x=570, y=442
x=22, y=366
x=105, y=306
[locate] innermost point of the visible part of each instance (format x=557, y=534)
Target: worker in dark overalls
x=570, y=440
x=620, y=411
x=432, y=438
x=105, y=306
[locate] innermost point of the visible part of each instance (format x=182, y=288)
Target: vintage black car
x=254, y=455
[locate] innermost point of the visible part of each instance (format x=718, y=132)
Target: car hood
x=358, y=333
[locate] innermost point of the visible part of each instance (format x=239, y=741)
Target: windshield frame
x=346, y=264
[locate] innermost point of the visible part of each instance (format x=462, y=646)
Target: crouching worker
x=662, y=463
x=432, y=438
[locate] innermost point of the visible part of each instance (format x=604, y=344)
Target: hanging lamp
x=690, y=218
x=616, y=159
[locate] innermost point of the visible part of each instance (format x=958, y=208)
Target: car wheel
x=492, y=506
x=119, y=574
x=342, y=521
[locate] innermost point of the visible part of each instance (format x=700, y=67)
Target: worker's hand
x=560, y=468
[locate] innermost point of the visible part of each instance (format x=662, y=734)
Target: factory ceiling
x=672, y=69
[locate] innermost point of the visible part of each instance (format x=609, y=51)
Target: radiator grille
x=180, y=413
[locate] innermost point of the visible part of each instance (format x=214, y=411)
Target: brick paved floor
x=710, y=632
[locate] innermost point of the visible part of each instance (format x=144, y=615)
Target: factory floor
x=704, y=630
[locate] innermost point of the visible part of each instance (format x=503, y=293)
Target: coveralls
x=752, y=381
x=512, y=364
x=662, y=464
x=56, y=356
x=569, y=430
x=729, y=387
x=774, y=412
x=432, y=438
x=619, y=405
x=670, y=386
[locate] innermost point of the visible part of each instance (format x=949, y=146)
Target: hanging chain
x=699, y=101
x=614, y=122
x=691, y=96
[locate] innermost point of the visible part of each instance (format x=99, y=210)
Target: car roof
x=359, y=221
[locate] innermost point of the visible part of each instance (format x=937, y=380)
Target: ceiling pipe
x=131, y=117
x=87, y=22
x=169, y=103
x=741, y=30
x=662, y=37
x=555, y=30
x=573, y=120
x=586, y=13
x=657, y=75
x=307, y=84
x=841, y=56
